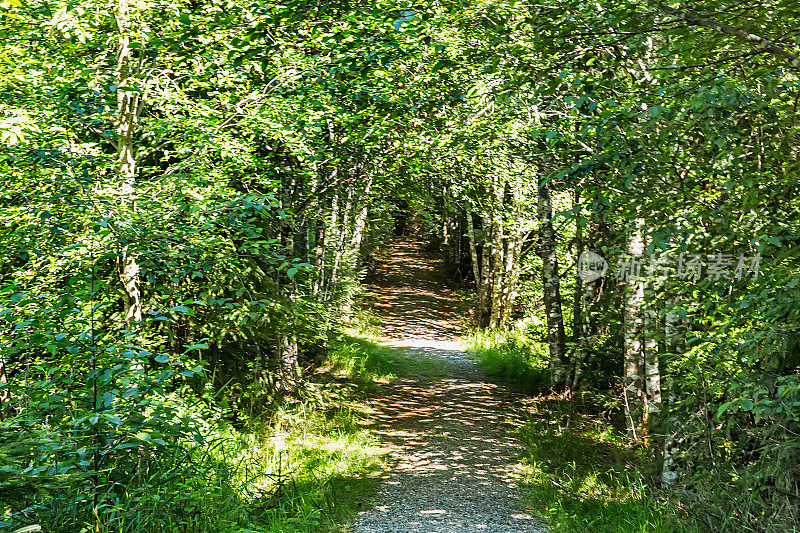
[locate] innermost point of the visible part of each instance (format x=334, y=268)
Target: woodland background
x=193, y=190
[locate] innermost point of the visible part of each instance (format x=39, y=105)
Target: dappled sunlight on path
x=451, y=437
x=409, y=292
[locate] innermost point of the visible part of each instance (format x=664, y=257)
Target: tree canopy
x=193, y=191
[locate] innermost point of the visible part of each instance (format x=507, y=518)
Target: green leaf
x=722, y=408
x=127, y=445
x=180, y=309
x=163, y=358
x=108, y=398
x=196, y=347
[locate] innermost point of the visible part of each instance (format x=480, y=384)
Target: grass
x=578, y=472
x=308, y=466
x=312, y=467
x=368, y=364
x=314, y=459
x=511, y=357
x=581, y=475
x=358, y=356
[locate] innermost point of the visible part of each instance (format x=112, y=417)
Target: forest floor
x=450, y=437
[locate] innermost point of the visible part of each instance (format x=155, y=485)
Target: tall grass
x=581, y=475
x=306, y=466
x=511, y=357
x=311, y=467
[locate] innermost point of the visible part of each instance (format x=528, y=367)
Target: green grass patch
x=312, y=466
x=511, y=357
x=308, y=467
x=368, y=363
x=582, y=476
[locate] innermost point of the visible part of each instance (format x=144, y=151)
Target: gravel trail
x=450, y=437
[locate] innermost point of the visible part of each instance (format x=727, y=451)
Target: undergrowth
x=305, y=466
x=312, y=464
x=511, y=357
x=581, y=475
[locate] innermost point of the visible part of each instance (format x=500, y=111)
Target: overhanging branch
x=761, y=43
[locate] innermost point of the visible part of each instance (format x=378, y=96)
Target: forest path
x=450, y=438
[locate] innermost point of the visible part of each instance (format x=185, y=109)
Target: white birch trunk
x=673, y=334
x=634, y=352
x=361, y=217
x=651, y=370
x=128, y=105
x=551, y=289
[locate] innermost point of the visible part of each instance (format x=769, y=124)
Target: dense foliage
x=193, y=189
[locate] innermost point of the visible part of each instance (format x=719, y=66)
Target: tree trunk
x=483, y=300
x=632, y=375
x=361, y=217
x=498, y=285
x=510, y=276
x=513, y=248
x=578, y=298
x=473, y=249
x=498, y=255
x=551, y=289
x=288, y=372
x=673, y=334
x=582, y=300
x=652, y=372
x=319, y=255
x=128, y=107
x=340, y=232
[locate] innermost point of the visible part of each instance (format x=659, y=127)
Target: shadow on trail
x=410, y=294
x=450, y=437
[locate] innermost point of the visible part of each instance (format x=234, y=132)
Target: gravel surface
x=450, y=437
x=453, y=449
